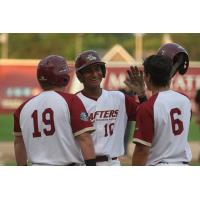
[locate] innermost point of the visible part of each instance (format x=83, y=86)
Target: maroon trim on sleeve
x=189, y=100
x=16, y=116
x=131, y=106
x=78, y=114
x=144, y=128
x=183, y=94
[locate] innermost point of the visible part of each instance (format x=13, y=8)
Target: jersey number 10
x=108, y=129
x=47, y=119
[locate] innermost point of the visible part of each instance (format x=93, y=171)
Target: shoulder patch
x=84, y=116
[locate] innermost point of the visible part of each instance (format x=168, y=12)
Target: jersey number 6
x=47, y=119
x=177, y=124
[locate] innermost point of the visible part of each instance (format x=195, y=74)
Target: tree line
x=38, y=45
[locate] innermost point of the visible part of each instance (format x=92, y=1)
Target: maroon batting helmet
x=174, y=51
x=53, y=71
x=89, y=58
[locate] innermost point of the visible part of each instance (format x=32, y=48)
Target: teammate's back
x=172, y=113
x=45, y=122
x=162, y=123
x=53, y=128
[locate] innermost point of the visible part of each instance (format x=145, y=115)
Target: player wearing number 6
x=109, y=111
x=162, y=122
x=53, y=128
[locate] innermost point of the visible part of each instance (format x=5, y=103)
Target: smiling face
x=91, y=76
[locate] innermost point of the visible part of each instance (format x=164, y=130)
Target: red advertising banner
x=18, y=83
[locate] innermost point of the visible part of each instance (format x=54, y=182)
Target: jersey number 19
x=47, y=119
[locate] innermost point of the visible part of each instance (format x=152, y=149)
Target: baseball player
x=109, y=111
x=162, y=122
x=48, y=128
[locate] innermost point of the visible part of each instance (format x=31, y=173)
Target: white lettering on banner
x=179, y=83
x=197, y=82
x=115, y=82
x=75, y=85
x=187, y=83
x=10, y=103
x=190, y=81
x=21, y=92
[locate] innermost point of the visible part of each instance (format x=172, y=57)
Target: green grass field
x=6, y=129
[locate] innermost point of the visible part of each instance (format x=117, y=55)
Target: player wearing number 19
x=162, y=122
x=48, y=128
x=109, y=111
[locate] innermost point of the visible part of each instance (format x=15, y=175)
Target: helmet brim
x=86, y=65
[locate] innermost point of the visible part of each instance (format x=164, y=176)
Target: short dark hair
x=159, y=68
x=197, y=97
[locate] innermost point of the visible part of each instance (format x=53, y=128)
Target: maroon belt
x=71, y=164
x=104, y=158
x=185, y=163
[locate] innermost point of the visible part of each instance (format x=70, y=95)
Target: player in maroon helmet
x=108, y=110
x=178, y=55
x=162, y=122
x=48, y=128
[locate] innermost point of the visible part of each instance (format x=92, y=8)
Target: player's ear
x=147, y=77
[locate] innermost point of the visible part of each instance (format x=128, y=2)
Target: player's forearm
x=86, y=145
x=140, y=155
x=139, y=160
x=20, y=151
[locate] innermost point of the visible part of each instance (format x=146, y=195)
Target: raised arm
x=135, y=82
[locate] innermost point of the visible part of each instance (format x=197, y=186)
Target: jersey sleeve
x=131, y=106
x=144, y=128
x=16, y=116
x=17, y=129
x=79, y=118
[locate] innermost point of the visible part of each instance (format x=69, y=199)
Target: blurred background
x=20, y=54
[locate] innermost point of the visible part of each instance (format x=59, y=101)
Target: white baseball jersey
x=48, y=123
x=109, y=114
x=162, y=123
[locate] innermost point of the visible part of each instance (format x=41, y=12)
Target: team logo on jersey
x=91, y=57
x=162, y=52
x=84, y=116
x=101, y=115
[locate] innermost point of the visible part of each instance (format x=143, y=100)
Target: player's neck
x=92, y=93
x=58, y=89
x=156, y=90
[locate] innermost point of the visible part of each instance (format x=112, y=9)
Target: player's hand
x=135, y=81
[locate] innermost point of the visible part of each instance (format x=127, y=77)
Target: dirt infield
x=7, y=153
